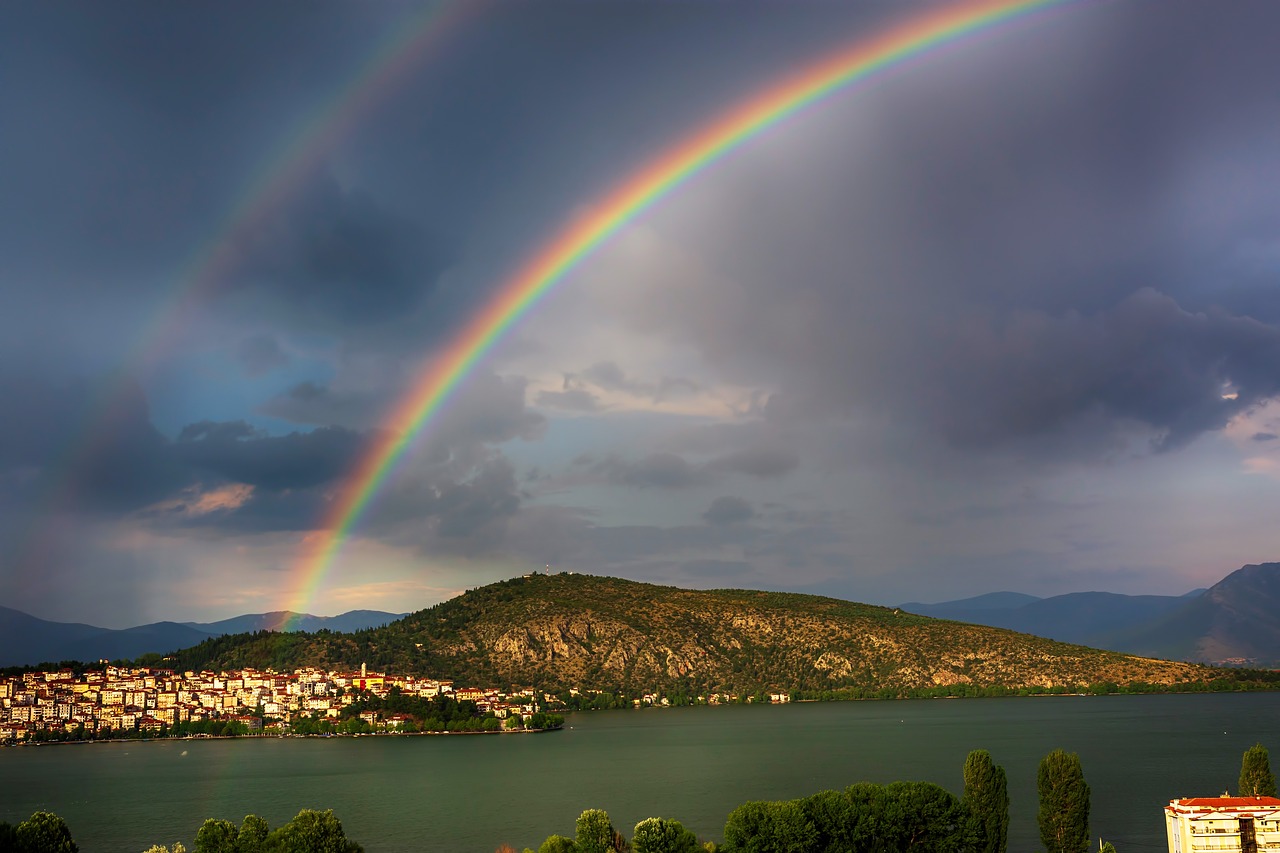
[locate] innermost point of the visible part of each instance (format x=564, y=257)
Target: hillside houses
x=125, y=699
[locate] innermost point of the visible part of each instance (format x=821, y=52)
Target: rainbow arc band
x=548, y=266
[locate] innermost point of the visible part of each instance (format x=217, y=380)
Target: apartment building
x=1223, y=825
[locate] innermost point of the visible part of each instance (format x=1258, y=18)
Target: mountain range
x=1236, y=621
x=27, y=640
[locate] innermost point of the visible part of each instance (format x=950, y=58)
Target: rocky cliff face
x=594, y=632
x=583, y=630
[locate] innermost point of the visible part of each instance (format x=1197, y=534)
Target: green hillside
x=596, y=632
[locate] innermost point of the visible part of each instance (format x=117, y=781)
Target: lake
x=471, y=793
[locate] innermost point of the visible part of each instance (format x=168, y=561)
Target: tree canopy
x=986, y=793
x=595, y=832
x=44, y=832
x=1256, y=778
x=1064, y=803
x=661, y=835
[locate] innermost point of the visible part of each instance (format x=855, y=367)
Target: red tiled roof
x=1230, y=802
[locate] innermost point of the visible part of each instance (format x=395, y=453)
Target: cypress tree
x=1256, y=778
x=986, y=793
x=1064, y=803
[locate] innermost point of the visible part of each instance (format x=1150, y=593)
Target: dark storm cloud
x=1146, y=361
x=341, y=256
x=234, y=452
x=998, y=261
x=729, y=509
x=1264, y=436
x=81, y=443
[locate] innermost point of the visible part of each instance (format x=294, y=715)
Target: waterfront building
x=1223, y=824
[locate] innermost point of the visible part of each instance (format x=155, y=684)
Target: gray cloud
x=729, y=509
x=309, y=402
x=660, y=470
x=715, y=568
x=260, y=354
x=759, y=461
x=570, y=400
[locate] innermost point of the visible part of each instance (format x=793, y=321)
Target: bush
x=660, y=835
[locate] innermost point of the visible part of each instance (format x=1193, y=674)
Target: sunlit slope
x=581, y=630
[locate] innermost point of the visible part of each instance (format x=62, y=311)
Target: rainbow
x=275, y=180
x=584, y=236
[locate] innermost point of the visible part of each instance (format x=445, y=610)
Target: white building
x=1223, y=824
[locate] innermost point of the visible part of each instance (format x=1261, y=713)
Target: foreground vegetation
x=867, y=818
x=626, y=638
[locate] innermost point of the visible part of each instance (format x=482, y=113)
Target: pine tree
x=1256, y=778
x=1064, y=803
x=986, y=793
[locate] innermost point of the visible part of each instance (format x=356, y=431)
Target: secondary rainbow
x=277, y=178
x=583, y=236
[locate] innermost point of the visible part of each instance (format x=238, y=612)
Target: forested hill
x=566, y=630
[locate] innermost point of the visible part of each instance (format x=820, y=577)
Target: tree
x=160, y=848
x=252, y=837
x=1256, y=778
x=769, y=827
x=312, y=832
x=1064, y=803
x=558, y=844
x=1106, y=846
x=927, y=817
x=594, y=832
x=216, y=836
x=8, y=838
x=44, y=832
x=986, y=793
x=660, y=835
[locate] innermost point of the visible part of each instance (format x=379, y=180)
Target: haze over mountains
x=1236, y=621
x=27, y=640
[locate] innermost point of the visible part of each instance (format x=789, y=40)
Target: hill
x=26, y=640
x=606, y=633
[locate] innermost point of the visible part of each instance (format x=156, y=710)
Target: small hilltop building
x=1223, y=824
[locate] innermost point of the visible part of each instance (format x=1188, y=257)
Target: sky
x=1004, y=317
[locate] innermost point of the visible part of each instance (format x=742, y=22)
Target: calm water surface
x=460, y=793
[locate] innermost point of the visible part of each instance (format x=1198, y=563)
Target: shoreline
x=185, y=738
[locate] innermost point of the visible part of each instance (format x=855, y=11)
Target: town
x=120, y=700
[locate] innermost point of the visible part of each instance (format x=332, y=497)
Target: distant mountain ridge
x=1236, y=621
x=26, y=640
